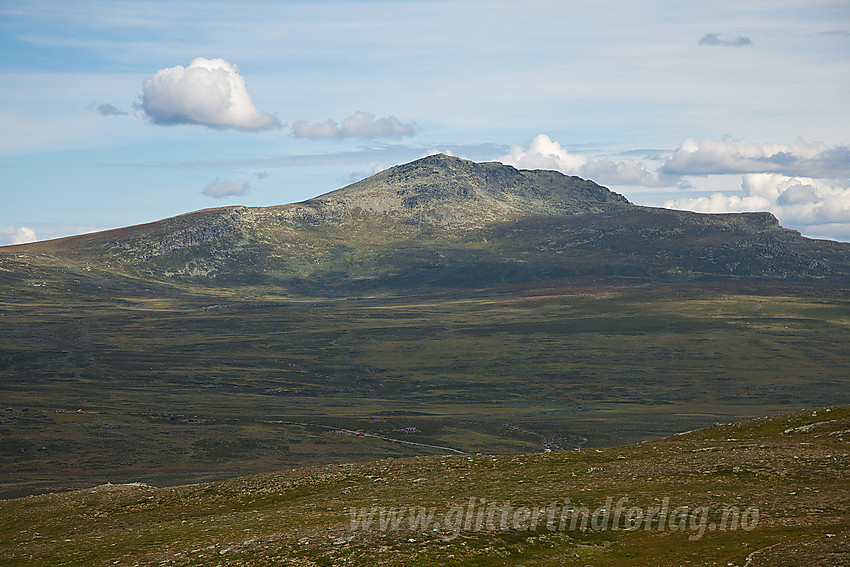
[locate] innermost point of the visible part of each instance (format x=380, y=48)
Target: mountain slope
x=766, y=492
x=445, y=221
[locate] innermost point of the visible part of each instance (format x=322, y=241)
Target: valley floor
x=182, y=384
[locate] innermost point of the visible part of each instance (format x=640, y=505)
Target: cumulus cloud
x=109, y=110
x=545, y=153
x=209, y=92
x=799, y=201
x=20, y=235
x=358, y=125
x=805, y=184
x=24, y=235
x=714, y=157
x=223, y=188
x=716, y=39
x=692, y=158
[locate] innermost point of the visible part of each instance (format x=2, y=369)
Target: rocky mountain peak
x=450, y=191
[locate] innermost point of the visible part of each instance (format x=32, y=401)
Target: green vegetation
x=494, y=310
x=441, y=310
x=513, y=370
x=781, y=483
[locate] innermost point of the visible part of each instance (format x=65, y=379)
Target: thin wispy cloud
x=221, y=188
x=109, y=110
x=209, y=92
x=717, y=39
x=359, y=125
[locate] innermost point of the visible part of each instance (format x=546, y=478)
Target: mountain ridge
x=444, y=216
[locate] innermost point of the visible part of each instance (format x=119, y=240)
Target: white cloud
x=804, y=184
x=706, y=157
x=691, y=158
x=224, y=188
x=210, y=92
x=20, y=235
x=24, y=235
x=358, y=125
x=715, y=157
x=620, y=172
x=716, y=39
x=796, y=201
x=545, y=153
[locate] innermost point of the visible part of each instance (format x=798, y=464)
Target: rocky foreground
x=770, y=491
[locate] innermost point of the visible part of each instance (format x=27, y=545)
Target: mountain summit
x=445, y=221
x=457, y=193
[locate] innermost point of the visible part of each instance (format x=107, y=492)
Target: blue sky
x=116, y=113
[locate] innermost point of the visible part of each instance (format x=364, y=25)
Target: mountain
x=438, y=307
x=453, y=193
x=442, y=221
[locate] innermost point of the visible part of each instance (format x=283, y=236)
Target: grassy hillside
x=766, y=492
